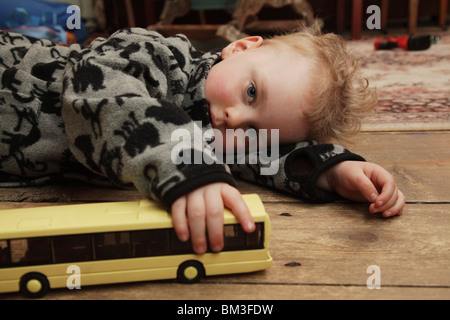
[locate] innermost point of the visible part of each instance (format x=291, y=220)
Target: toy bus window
x=4, y=253
x=112, y=245
x=74, y=248
x=159, y=242
x=255, y=239
x=140, y=243
x=30, y=251
x=177, y=246
x=234, y=237
x=150, y=243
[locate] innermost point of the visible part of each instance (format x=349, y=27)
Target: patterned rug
x=413, y=86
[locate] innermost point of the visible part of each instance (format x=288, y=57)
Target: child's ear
x=241, y=45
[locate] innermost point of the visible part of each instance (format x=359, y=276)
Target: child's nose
x=233, y=117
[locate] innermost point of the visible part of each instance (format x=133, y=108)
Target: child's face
x=259, y=87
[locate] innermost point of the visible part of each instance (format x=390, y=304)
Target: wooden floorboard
x=319, y=251
x=222, y=289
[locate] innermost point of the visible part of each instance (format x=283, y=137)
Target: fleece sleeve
x=119, y=124
x=295, y=169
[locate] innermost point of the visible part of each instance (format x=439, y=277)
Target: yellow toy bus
x=117, y=242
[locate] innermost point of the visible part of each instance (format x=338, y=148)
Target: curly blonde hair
x=341, y=96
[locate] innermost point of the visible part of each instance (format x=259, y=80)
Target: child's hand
x=364, y=181
x=202, y=210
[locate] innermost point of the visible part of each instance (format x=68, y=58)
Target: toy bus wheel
x=34, y=285
x=190, y=272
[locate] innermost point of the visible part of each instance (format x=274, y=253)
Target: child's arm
x=364, y=181
x=122, y=102
x=298, y=167
x=327, y=172
x=201, y=210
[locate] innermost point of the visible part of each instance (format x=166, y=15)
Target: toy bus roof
x=98, y=217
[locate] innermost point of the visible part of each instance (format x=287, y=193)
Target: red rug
x=413, y=86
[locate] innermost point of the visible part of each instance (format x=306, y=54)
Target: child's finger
x=367, y=188
x=233, y=200
x=386, y=204
x=196, y=220
x=388, y=197
x=388, y=188
x=179, y=220
x=214, y=219
x=397, y=208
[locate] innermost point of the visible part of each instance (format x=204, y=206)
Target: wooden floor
x=319, y=251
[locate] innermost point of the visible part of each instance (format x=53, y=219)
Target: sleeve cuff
x=213, y=173
x=304, y=166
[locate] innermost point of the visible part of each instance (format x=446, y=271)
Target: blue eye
x=251, y=93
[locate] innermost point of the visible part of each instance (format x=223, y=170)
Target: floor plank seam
x=331, y=284
x=349, y=202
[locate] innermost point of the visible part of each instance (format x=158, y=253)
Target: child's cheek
x=223, y=90
x=218, y=87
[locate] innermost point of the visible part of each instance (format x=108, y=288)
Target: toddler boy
x=106, y=113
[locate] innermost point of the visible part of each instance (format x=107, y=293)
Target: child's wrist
x=325, y=180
